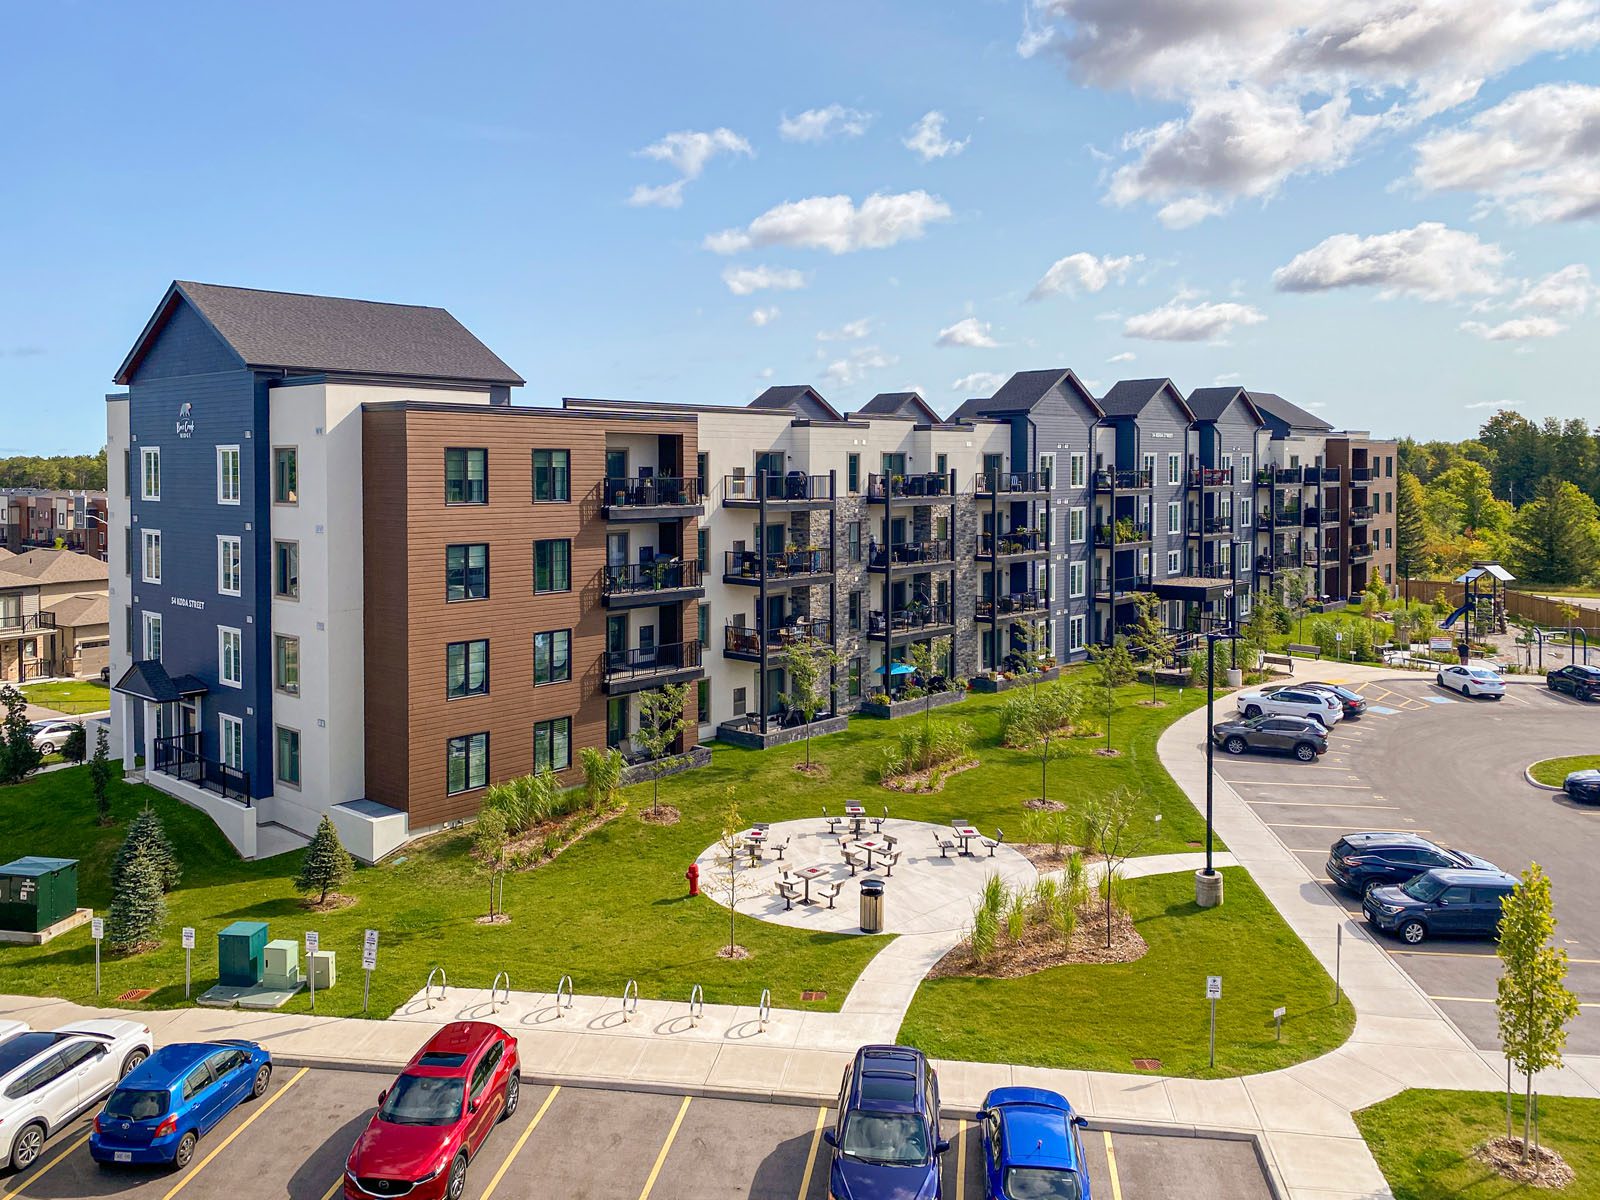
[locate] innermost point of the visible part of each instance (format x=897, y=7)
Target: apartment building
x=30, y=517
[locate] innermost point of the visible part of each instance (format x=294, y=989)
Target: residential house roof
x=1208, y=404
x=82, y=610
x=800, y=398
x=1130, y=397
x=34, y=567
x=900, y=404
x=1024, y=390
x=1296, y=418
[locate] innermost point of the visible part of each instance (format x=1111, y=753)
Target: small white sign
x=1213, y=987
x=97, y=928
x=1279, y=1013
x=369, y=951
x=311, y=941
x=188, y=937
x=1338, y=635
x=371, y=940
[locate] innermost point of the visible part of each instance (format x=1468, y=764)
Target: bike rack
x=631, y=990
x=427, y=988
x=504, y=994
x=764, y=1012
x=566, y=982
x=697, y=1006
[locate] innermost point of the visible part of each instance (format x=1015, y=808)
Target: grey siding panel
x=186, y=346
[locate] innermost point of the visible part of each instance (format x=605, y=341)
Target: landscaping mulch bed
x=1040, y=948
x=1039, y=804
x=931, y=780
x=527, y=851
x=665, y=815
x=815, y=770
x=497, y=919
x=1544, y=1168
x=1066, y=731
x=732, y=952
x=334, y=902
x=1044, y=857
x=1107, y=752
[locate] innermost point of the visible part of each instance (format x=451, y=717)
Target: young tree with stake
x=100, y=772
x=808, y=664
x=1109, y=830
x=661, y=723
x=1113, y=667
x=1149, y=637
x=729, y=877
x=929, y=659
x=489, y=838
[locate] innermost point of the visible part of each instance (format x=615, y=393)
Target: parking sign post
x=1277, y=1019
x=369, y=963
x=1338, y=954
x=311, y=965
x=1213, y=994
x=97, y=930
x=188, y=953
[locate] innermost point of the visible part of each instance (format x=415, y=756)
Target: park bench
x=1300, y=651
x=1286, y=661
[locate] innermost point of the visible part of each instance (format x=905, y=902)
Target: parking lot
x=1451, y=769
x=588, y=1143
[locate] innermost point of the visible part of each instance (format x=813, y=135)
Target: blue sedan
x=163, y=1107
x=1031, y=1149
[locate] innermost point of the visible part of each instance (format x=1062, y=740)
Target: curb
x=1527, y=773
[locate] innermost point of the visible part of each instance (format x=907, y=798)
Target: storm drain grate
x=136, y=994
x=1147, y=1064
x=813, y=995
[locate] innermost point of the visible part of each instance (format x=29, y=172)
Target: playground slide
x=1452, y=618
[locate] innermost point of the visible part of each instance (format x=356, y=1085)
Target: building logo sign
x=185, y=419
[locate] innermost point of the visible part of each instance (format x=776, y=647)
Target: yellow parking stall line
x=1469, y=954
x=338, y=1184
x=811, y=1158
x=1355, y=828
x=1491, y=1000
x=1318, y=804
x=1347, y=787
x=661, y=1158
x=1111, y=1167
x=40, y=1170
x=961, y=1160
x=228, y=1141
x=516, y=1147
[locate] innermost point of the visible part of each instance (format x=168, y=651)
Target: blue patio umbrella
x=896, y=669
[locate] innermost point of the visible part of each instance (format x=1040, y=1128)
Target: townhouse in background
x=31, y=517
x=352, y=578
x=53, y=615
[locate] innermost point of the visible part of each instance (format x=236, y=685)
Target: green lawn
x=1102, y=1016
x=73, y=696
x=1554, y=771
x=1423, y=1142
x=611, y=908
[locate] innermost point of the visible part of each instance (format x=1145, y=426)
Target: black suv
x=1303, y=738
x=1580, y=681
x=1359, y=862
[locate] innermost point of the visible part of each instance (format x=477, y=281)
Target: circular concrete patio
x=927, y=892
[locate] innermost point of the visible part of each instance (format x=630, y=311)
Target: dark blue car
x=1031, y=1149
x=1463, y=903
x=885, y=1140
x=171, y=1100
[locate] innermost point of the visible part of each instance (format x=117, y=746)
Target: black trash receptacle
x=872, y=906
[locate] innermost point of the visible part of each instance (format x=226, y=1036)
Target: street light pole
x=1211, y=744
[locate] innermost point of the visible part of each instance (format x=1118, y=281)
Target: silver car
x=51, y=736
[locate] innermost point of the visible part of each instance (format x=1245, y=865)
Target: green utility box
x=240, y=949
x=35, y=893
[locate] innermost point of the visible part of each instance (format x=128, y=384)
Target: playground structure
x=1486, y=607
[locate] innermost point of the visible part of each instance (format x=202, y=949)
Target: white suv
x=46, y=1079
x=1292, y=702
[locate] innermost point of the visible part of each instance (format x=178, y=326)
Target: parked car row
x=1288, y=719
x=1415, y=888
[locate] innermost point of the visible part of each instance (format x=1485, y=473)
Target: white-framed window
x=1147, y=463
x=1245, y=474
x=1247, y=512
x=1077, y=524
x=1076, y=627
x=1225, y=504
x=1047, y=468
x=152, y=635
x=1174, y=516
x=1144, y=563
x=230, y=566
x=230, y=732
x=1227, y=462
x=150, y=560
x=230, y=657
x=1077, y=475
x=1075, y=577
x=227, y=474
x=1224, y=554
x=150, y=473
x=1174, y=468
x=1174, y=562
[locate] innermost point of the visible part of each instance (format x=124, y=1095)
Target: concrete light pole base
x=1208, y=889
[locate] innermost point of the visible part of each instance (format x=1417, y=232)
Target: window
x=552, y=745
x=150, y=460
x=1174, y=468
x=702, y=616
x=1174, y=563
x=1388, y=466
x=853, y=612
x=286, y=664
x=1174, y=516
x=151, y=561
x=552, y=565
x=466, y=476
x=230, y=657
x=852, y=537
x=702, y=473
x=152, y=635
x=466, y=669
x=1075, y=632
x=285, y=475
x=286, y=570
x=552, y=475
x=703, y=546
x=127, y=472
x=230, y=732
x=1047, y=470
x=1246, y=513
x=1388, y=502
x=1388, y=538
x=702, y=701
x=552, y=656
x=1075, y=578
x=1147, y=464
x=230, y=566
x=1076, y=471
x=739, y=703
x=227, y=474
x=1245, y=475
x=852, y=472
x=1077, y=524
x=288, y=756
x=466, y=763
x=466, y=572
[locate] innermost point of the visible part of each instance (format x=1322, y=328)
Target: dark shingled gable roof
x=1022, y=391
x=800, y=398
x=1291, y=415
x=294, y=332
x=899, y=404
x=1208, y=404
x=1128, y=397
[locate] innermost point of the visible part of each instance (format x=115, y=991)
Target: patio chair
x=877, y=822
x=853, y=858
x=780, y=847
x=830, y=891
x=790, y=893
x=833, y=822
x=996, y=840
x=945, y=844
x=887, y=860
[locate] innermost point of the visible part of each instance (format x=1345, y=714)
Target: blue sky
x=1378, y=209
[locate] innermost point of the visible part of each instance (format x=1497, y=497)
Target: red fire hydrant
x=693, y=876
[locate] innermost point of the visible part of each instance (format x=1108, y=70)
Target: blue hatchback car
x=164, y=1106
x=885, y=1140
x=1031, y=1149
x=1463, y=903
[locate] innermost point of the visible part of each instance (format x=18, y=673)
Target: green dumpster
x=240, y=948
x=35, y=893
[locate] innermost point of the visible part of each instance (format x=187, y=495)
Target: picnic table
x=872, y=846
x=858, y=817
x=966, y=833
x=753, y=839
x=806, y=875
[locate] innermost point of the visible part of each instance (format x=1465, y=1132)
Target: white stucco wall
x=117, y=559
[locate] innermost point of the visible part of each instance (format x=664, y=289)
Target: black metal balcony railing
x=1289, y=474
x=783, y=564
x=1105, y=584
x=1264, y=477
x=650, y=660
x=739, y=640
x=1330, y=513
x=1263, y=522
x=1211, y=477
x=1223, y=524
x=1362, y=512
x=1311, y=516
x=1010, y=604
x=22, y=622
x=1362, y=475
x=1310, y=557
x=923, y=616
x=1018, y=541
x=180, y=757
x=651, y=491
x=1277, y=562
x=1359, y=553
x=795, y=485
x=909, y=554
x=1286, y=516
x=1329, y=474
x=896, y=487
x=988, y=483
x=1122, y=479
x=1123, y=533
x=663, y=575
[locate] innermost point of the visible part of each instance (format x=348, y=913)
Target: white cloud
x=1428, y=260
x=855, y=366
x=1536, y=154
x=927, y=139
x=763, y=316
x=850, y=331
x=835, y=224
x=1125, y=356
x=1229, y=377
x=969, y=332
x=1178, y=321
x=1083, y=272
x=687, y=151
x=1518, y=329
x=765, y=373
x=1567, y=291
x=1492, y=404
x=979, y=383
x=742, y=281
x=820, y=124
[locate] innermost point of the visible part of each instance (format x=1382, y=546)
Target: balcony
x=1329, y=474
x=651, y=498
x=1362, y=475
x=747, y=645
x=1359, y=553
x=912, y=624
x=1019, y=543
x=1011, y=483
x=1310, y=557
x=1206, y=477
x=1276, y=562
x=784, y=493
x=1123, y=533
x=912, y=556
x=786, y=568
x=1288, y=516
x=1264, y=477
x=1211, y=526
x=1329, y=515
x=644, y=667
x=1012, y=606
x=21, y=624
x=1121, y=480
x=179, y=756
x=1264, y=522
x=1121, y=585
x=664, y=581
x=1289, y=475
x=929, y=487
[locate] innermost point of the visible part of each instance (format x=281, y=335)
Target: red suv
x=436, y=1116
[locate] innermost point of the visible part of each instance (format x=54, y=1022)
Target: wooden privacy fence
x=1542, y=611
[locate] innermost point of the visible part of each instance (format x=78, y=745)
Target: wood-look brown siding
x=409, y=623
